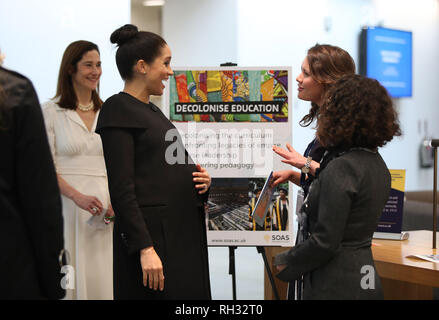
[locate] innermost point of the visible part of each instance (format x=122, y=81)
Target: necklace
x=86, y=107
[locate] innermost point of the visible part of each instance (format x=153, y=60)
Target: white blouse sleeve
x=49, y=113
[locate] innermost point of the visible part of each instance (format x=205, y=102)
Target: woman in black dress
x=160, y=245
x=346, y=199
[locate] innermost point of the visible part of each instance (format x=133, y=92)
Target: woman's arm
x=118, y=145
x=87, y=203
x=286, y=175
x=295, y=159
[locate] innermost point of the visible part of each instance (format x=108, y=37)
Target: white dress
x=78, y=157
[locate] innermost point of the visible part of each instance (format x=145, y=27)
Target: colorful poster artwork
x=229, y=96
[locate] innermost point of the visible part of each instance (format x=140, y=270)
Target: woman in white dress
x=77, y=152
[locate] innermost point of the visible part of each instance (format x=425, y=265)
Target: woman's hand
x=291, y=156
x=110, y=211
x=152, y=269
x=88, y=203
x=202, y=179
x=109, y=215
x=281, y=176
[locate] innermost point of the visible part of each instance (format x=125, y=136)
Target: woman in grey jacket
x=345, y=201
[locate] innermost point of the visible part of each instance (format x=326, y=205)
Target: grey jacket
x=343, y=207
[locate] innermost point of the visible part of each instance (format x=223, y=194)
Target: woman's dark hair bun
x=123, y=34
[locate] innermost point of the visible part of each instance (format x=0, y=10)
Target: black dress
x=155, y=202
x=31, y=223
x=316, y=151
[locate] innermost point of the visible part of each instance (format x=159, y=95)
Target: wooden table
x=282, y=287
x=402, y=277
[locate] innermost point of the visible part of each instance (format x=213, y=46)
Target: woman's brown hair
x=358, y=112
x=327, y=64
x=64, y=90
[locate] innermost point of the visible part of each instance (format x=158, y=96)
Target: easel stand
x=261, y=250
x=232, y=269
x=232, y=272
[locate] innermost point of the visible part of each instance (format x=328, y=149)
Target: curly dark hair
x=327, y=63
x=357, y=113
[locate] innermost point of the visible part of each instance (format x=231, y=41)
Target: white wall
x=146, y=18
x=34, y=35
x=201, y=33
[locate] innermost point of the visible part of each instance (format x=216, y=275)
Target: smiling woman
x=77, y=152
x=79, y=74
x=322, y=67
x=86, y=77
x=160, y=232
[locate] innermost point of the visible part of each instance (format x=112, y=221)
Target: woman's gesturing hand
x=202, y=179
x=291, y=156
x=152, y=269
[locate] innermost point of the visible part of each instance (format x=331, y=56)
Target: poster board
x=229, y=118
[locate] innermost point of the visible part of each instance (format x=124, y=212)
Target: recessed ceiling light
x=153, y=3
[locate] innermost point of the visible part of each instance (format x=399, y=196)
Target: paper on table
x=429, y=257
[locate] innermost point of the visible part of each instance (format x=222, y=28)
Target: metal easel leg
x=232, y=269
x=261, y=250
